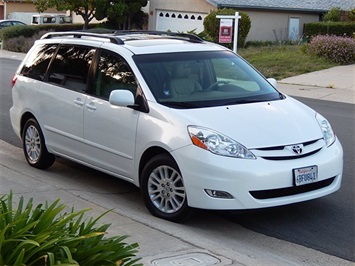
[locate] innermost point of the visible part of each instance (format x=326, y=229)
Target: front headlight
x=328, y=133
x=218, y=143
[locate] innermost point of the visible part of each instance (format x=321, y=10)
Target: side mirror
x=122, y=98
x=273, y=82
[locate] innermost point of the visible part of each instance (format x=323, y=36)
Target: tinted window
x=37, y=63
x=35, y=20
x=16, y=23
x=71, y=66
x=48, y=20
x=113, y=74
x=5, y=24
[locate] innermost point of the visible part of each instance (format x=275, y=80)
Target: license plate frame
x=305, y=175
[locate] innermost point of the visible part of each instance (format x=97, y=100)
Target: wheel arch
x=149, y=154
x=25, y=117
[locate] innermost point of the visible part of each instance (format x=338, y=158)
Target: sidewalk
x=333, y=84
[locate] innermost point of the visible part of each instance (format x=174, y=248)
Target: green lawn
x=283, y=61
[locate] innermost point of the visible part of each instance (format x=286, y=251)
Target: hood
x=258, y=125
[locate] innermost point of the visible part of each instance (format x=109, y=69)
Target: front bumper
x=255, y=183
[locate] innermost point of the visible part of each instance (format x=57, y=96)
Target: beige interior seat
x=182, y=84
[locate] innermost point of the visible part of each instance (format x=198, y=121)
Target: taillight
x=13, y=81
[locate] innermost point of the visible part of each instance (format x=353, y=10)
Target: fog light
x=218, y=194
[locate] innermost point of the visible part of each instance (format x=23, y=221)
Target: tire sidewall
x=162, y=160
x=45, y=159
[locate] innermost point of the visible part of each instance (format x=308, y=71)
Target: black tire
x=34, y=146
x=163, y=189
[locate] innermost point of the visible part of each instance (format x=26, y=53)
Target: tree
x=351, y=15
x=332, y=15
x=84, y=8
x=121, y=14
x=211, y=25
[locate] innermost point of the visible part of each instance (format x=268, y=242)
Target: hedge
x=30, y=30
x=329, y=28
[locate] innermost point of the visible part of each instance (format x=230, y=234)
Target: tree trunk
x=86, y=22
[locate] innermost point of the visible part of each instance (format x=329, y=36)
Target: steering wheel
x=215, y=84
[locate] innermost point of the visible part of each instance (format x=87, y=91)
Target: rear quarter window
x=37, y=63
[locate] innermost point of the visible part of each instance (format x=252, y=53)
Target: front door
x=294, y=29
x=109, y=130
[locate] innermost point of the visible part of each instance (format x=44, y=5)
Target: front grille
x=278, y=158
x=282, y=147
x=289, y=191
x=287, y=152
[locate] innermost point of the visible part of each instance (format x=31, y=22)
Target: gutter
x=219, y=6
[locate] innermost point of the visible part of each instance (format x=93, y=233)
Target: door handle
x=78, y=102
x=91, y=106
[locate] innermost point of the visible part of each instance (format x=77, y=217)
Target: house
x=24, y=9
x=21, y=10
x=1, y=10
x=271, y=20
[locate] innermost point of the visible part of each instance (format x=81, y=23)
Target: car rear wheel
x=163, y=189
x=34, y=146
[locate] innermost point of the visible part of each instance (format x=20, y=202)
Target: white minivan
x=46, y=19
x=189, y=122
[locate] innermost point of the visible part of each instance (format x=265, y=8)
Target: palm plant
x=46, y=235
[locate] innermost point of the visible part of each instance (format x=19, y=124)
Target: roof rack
x=78, y=34
x=186, y=36
x=113, y=36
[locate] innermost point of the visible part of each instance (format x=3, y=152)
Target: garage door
x=180, y=21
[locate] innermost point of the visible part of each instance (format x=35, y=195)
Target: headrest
x=180, y=70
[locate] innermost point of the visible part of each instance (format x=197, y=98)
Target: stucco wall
x=269, y=26
x=266, y=25
x=24, y=7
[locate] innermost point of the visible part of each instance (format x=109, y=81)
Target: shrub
x=22, y=44
x=338, y=49
x=44, y=235
x=21, y=38
x=332, y=15
x=211, y=25
x=16, y=31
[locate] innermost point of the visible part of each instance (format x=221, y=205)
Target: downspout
x=5, y=9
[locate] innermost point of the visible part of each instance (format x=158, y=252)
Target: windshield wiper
x=279, y=96
x=182, y=104
x=241, y=101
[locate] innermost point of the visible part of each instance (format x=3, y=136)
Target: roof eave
x=272, y=8
x=213, y=3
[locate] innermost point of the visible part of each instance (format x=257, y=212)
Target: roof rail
x=78, y=34
x=186, y=36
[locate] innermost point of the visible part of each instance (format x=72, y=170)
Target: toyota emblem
x=297, y=149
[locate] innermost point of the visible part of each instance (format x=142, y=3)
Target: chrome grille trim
x=285, y=152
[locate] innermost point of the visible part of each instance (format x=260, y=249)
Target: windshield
x=203, y=79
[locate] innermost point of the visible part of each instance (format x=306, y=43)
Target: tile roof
x=299, y=5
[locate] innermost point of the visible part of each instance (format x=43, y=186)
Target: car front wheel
x=34, y=146
x=163, y=189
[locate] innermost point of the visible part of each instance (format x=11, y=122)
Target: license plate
x=305, y=175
